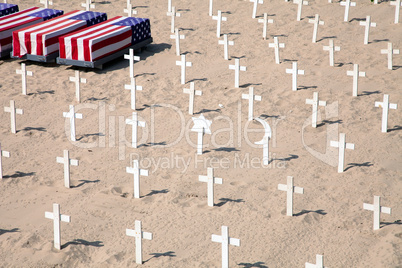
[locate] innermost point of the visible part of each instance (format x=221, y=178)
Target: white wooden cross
x=133, y=88
x=5, y=154
x=131, y=59
x=331, y=48
x=225, y=240
x=139, y=235
x=13, y=111
x=256, y=2
x=347, y=5
x=342, y=145
x=201, y=126
x=192, y=92
x=137, y=172
x=173, y=14
x=77, y=80
x=265, y=20
x=219, y=20
x=226, y=45
x=135, y=124
x=88, y=5
x=57, y=217
x=289, y=188
x=177, y=36
x=66, y=161
x=294, y=71
x=251, y=97
x=72, y=115
x=129, y=10
x=276, y=45
x=300, y=4
x=237, y=69
x=183, y=64
x=390, y=52
x=367, y=25
x=377, y=209
x=319, y=262
x=46, y=3
x=211, y=180
x=385, y=105
x=265, y=140
x=315, y=102
x=397, y=5
x=355, y=73
x=23, y=72
x=316, y=22
x=211, y=3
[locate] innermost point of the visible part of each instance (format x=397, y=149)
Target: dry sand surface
x=329, y=217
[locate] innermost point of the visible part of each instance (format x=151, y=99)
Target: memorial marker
x=331, y=48
x=315, y=102
x=57, y=217
x=226, y=45
x=390, y=52
x=13, y=112
x=294, y=71
x=66, y=161
x=192, y=92
x=201, y=126
x=347, y=5
x=377, y=209
x=319, y=262
x=135, y=124
x=137, y=172
x=276, y=45
x=24, y=73
x=129, y=10
x=256, y=2
x=88, y=5
x=356, y=74
x=385, y=105
x=225, y=240
x=265, y=20
x=211, y=180
x=342, y=145
x=139, y=235
x=300, y=4
x=397, y=5
x=367, y=25
x=183, y=64
x=46, y=3
x=173, y=14
x=72, y=115
x=219, y=20
x=316, y=22
x=265, y=140
x=251, y=97
x=131, y=58
x=290, y=189
x=2, y=154
x=177, y=36
x=133, y=88
x=237, y=69
x=77, y=80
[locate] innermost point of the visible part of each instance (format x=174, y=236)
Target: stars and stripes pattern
x=106, y=38
x=24, y=18
x=43, y=38
x=7, y=9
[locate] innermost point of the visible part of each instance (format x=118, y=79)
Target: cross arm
x=5, y=153
x=224, y=19
x=337, y=48
x=386, y=210
x=189, y=64
x=130, y=232
x=245, y=96
x=60, y=160
x=202, y=178
x=234, y=241
x=198, y=92
x=384, y=51
x=49, y=215
x=74, y=162
x=393, y=106
x=65, y=218
x=144, y=172
x=326, y=48
x=29, y=73
x=19, y=111
x=378, y=104
x=350, y=146
x=257, y=98
x=232, y=67
x=334, y=144
x=350, y=73
x=141, y=123
x=289, y=71
x=282, y=187
x=298, y=190
x=216, y=238
x=322, y=103
x=243, y=68
x=352, y=4
x=281, y=45
x=218, y=180
x=300, y=72
x=321, y=22
x=395, y=51
x=146, y=235
x=309, y=101
x=271, y=45
x=78, y=116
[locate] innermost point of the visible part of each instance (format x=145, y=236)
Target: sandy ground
x=329, y=217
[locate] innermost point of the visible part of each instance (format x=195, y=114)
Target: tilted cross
x=173, y=14
x=2, y=154
x=367, y=25
x=177, y=36
x=347, y=5
x=265, y=21
x=276, y=45
x=316, y=22
x=219, y=20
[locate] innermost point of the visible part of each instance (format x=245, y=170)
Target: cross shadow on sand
x=83, y=242
x=14, y=230
x=158, y=255
x=258, y=264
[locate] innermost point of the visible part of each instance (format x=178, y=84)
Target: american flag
x=42, y=38
x=7, y=9
x=13, y=22
x=104, y=39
